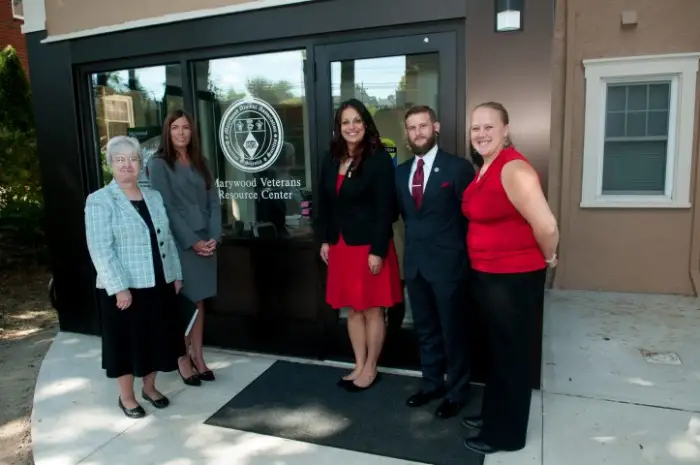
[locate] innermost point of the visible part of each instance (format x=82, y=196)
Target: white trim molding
x=681, y=70
x=172, y=18
x=16, y=15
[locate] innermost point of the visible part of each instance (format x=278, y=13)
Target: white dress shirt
x=428, y=159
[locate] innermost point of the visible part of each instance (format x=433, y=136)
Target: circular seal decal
x=251, y=135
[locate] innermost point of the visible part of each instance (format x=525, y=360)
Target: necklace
x=347, y=166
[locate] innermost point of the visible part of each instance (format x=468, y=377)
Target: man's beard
x=425, y=148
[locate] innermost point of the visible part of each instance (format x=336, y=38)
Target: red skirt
x=352, y=284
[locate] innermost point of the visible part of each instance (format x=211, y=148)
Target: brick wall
x=11, y=32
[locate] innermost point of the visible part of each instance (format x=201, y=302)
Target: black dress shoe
x=423, y=397
x=478, y=445
x=136, y=412
x=157, y=403
x=474, y=422
x=448, y=409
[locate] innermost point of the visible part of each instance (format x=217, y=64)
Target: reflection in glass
x=269, y=202
x=134, y=102
x=388, y=86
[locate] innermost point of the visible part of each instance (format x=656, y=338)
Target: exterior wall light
x=509, y=15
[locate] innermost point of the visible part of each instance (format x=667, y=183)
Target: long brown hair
x=194, y=149
x=370, y=143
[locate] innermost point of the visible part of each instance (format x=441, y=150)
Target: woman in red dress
x=357, y=208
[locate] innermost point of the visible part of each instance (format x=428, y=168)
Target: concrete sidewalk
x=601, y=402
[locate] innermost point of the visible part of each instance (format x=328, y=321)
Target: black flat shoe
x=343, y=383
x=204, y=376
x=136, y=412
x=352, y=387
x=191, y=381
x=157, y=403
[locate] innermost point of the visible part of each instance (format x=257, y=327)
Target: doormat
x=301, y=402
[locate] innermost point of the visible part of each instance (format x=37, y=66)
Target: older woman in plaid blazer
x=138, y=277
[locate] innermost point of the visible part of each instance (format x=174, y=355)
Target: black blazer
x=436, y=234
x=364, y=209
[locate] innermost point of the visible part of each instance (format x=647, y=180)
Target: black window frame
x=188, y=57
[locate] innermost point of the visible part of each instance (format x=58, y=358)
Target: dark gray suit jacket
x=436, y=234
x=194, y=212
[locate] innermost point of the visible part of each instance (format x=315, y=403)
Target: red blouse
x=499, y=239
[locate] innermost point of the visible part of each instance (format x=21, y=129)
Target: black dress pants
x=508, y=304
x=440, y=323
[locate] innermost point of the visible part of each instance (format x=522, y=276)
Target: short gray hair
x=122, y=145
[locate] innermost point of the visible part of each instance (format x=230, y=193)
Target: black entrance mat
x=301, y=402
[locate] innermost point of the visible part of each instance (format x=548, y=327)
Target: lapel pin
x=437, y=169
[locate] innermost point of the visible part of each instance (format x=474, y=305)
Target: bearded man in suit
x=436, y=267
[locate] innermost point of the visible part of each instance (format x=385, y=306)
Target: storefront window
x=254, y=122
x=134, y=102
x=388, y=86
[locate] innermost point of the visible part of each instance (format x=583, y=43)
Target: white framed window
x=639, y=124
x=118, y=114
x=17, y=9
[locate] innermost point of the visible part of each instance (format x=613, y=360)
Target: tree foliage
x=21, y=200
x=19, y=165
x=18, y=157
x=15, y=96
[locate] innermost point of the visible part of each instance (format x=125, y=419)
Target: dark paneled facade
x=266, y=303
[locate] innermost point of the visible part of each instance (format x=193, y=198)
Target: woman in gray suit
x=138, y=277
x=180, y=173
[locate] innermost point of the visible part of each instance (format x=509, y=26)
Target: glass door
x=254, y=125
x=388, y=76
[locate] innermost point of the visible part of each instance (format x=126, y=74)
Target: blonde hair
x=505, y=118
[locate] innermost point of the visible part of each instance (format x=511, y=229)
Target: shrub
x=21, y=200
x=15, y=95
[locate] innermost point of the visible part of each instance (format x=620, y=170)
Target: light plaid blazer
x=120, y=244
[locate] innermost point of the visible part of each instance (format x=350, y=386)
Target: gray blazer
x=194, y=212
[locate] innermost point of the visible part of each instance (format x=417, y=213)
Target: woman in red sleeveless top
x=357, y=208
x=511, y=240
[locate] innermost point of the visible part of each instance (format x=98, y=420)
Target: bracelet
x=551, y=260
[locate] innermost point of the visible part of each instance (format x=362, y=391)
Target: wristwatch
x=551, y=260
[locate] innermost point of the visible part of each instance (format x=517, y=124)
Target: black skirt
x=147, y=336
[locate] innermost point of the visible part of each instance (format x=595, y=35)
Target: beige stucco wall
x=67, y=16
x=634, y=250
